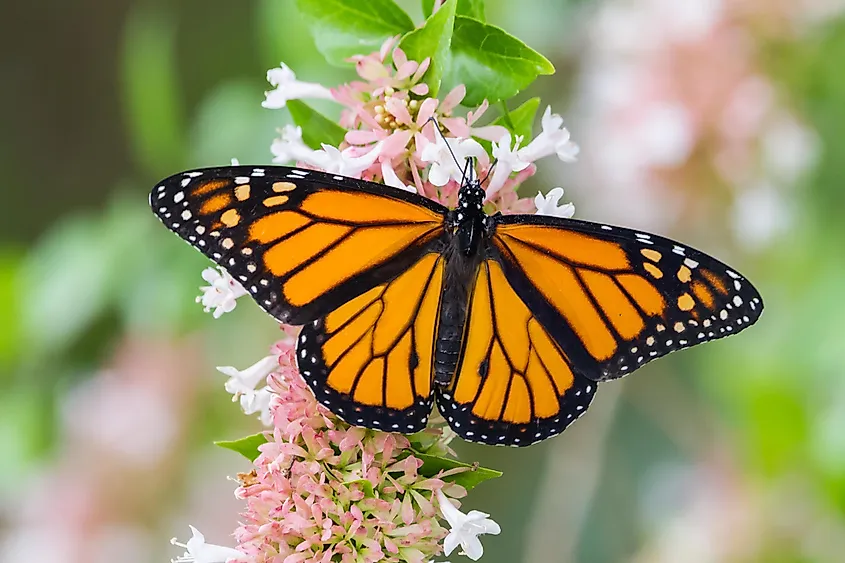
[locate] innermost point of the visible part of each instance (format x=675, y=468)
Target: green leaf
x=469, y=479
x=469, y=8
x=492, y=63
x=432, y=39
x=520, y=122
x=246, y=446
x=343, y=28
x=316, y=127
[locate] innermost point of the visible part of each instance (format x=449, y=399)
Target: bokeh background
x=718, y=122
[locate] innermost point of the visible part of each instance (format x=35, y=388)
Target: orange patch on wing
x=342, y=376
x=275, y=200
x=551, y=356
x=616, y=306
x=511, y=316
x=400, y=395
x=276, y=225
x=280, y=187
x=362, y=250
x=686, y=302
x=301, y=247
x=645, y=294
x=715, y=281
x=209, y=186
x=568, y=245
x=546, y=402
x=490, y=402
x=230, y=217
x=479, y=334
x=651, y=254
x=342, y=314
x=242, y=192
x=424, y=327
x=359, y=207
x=351, y=333
x=370, y=387
x=400, y=301
x=702, y=293
x=684, y=274
x=655, y=272
x=215, y=203
x=518, y=406
x=560, y=286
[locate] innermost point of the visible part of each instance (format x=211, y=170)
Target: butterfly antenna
x=448, y=146
x=489, y=170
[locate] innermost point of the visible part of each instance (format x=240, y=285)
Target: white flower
x=391, y=179
x=289, y=146
x=548, y=205
x=508, y=160
x=554, y=139
x=242, y=385
x=244, y=381
x=444, y=166
x=334, y=161
x=222, y=292
x=289, y=88
x=197, y=551
x=258, y=402
x=465, y=528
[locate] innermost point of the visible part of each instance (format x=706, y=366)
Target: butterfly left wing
x=514, y=385
x=615, y=299
x=302, y=242
x=370, y=360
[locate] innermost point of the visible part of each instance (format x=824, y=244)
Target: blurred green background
x=717, y=123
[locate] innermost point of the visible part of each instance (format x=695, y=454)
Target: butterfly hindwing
x=514, y=385
x=301, y=242
x=615, y=299
x=370, y=360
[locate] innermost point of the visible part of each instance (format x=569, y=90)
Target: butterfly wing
x=613, y=298
x=370, y=360
x=301, y=242
x=514, y=385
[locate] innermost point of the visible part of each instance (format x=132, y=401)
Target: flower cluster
x=398, y=135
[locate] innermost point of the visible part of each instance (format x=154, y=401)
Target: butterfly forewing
x=301, y=242
x=614, y=298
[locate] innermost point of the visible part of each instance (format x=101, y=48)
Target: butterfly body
x=508, y=322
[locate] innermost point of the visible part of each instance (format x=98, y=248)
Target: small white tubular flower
x=245, y=381
x=197, y=551
x=391, y=179
x=258, y=402
x=554, y=139
x=222, y=294
x=465, y=528
x=443, y=165
x=288, y=147
x=289, y=88
x=549, y=205
x=507, y=161
x=334, y=161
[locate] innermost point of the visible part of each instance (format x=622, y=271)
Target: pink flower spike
x=406, y=70
x=457, y=126
x=395, y=145
x=364, y=137
x=387, y=46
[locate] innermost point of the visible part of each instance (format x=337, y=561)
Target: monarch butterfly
x=508, y=322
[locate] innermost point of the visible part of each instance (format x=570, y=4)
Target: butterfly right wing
x=369, y=361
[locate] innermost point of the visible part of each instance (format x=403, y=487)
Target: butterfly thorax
x=467, y=219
